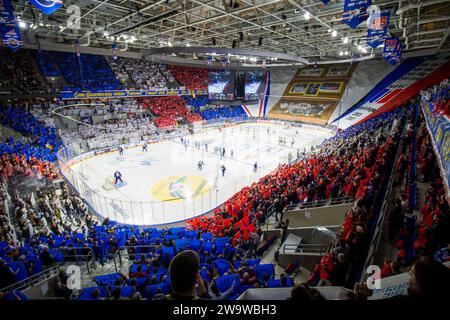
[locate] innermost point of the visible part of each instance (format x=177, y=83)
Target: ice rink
x=165, y=185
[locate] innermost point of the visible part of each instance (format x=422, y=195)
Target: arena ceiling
x=305, y=28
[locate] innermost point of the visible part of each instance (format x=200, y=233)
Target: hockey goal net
x=108, y=184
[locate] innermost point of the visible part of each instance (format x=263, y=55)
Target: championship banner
x=47, y=6
x=378, y=27
x=6, y=14
x=12, y=38
x=69, y=95
x=392, y=50
x=355, y=12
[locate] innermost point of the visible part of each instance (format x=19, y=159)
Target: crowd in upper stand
x=18, y=73
x=191, y=78
x=141, y=74
x=26, y=71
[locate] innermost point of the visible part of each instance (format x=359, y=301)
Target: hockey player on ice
x=117, y=177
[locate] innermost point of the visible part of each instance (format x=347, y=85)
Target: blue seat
x=165, y=288
x=9, y=296
x=192, y=234
x=195, y=244
x=168, y=251
x=207, y=236
x=225, y=282
x=19, y=267
x=107, y=279
x=262, y=269
x=221, y=266
x=276, y=283
x=181, y=244
x=86, y=293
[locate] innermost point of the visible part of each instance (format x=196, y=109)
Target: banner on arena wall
x=47, y=6
x=378, y=27
x=68, y=95
x=355, y=12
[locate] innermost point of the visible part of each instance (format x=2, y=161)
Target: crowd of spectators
x=212, y=112
x=87, y=72
x=169, y=111
x=353, y=163
x=18, y=74
x=142, y=74
x=190, y=78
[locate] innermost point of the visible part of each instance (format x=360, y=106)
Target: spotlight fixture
x=334, y=33
x=22, y=25
x=345, y=40
x=307, y=15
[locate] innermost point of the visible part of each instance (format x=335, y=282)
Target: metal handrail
x=310, y=247
x=88, y=258
x=319, y=203
x=28, y=282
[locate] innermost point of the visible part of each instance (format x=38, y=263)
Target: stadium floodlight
x=329, y=30
x=341, y=53
x=307, y=15
x=345, y=40
x=22, y=24
x=334, y=33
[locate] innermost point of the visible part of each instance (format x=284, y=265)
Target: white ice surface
x=134, y=203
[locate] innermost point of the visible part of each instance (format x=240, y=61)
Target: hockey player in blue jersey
x=120, y=151
x=117, y=177
x=145, y=148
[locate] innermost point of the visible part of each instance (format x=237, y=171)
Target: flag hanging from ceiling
x=47, y=6
x=355, y=12
x=378, y=27
x=6, y=13
x=115, y=51
x=392, y=50
x=11, y=37
x=9, y=29
x=325, y=1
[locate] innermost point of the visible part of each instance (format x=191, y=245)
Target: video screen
x=254, y=85
x=221, y=85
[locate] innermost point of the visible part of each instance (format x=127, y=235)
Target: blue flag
x=355, y=12
x=6, y=13
x=12, y=38
x=378, y=27
x=47, y=6
x=392, y=50
x=325, y=1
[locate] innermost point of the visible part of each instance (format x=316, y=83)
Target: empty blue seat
x=276, y=283
x=181, y=244
x=107, y=279
x=195, y=244
x=207, y=236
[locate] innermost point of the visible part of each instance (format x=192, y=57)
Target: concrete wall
x=310, y=236
x=321, y=216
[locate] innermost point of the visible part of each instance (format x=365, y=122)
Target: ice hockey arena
x=234, y=151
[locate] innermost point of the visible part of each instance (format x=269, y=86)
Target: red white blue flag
x=378, y=27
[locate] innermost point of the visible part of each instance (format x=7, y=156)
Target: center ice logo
x=177, y=188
